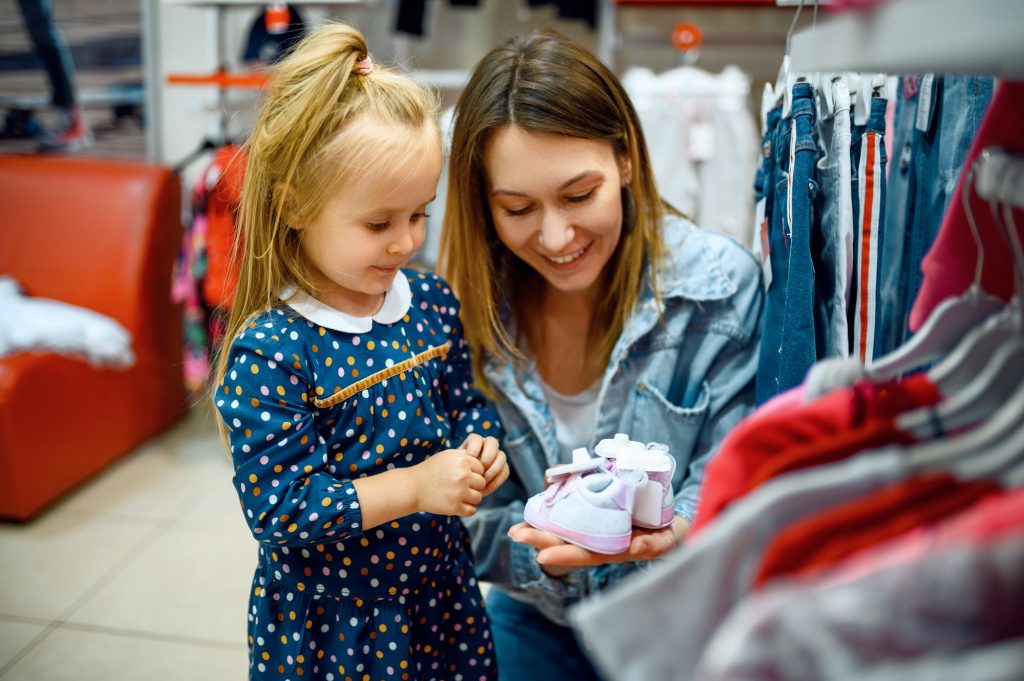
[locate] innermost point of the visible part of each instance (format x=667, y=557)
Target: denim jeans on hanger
x=867, y=165
x=774, y=146
x=936, y=121
x=832, y=241
x=798, y=191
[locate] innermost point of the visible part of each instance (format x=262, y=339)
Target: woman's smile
x=569, y=260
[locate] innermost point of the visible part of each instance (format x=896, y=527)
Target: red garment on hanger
x=221, y=212
x=837, y=447
x=949, y=265
x=825, y=539
x=831, y=427
x=992, y=519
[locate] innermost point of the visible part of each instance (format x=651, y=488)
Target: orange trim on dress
x=384, y=374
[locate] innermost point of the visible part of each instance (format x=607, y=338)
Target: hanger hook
x=1018, y=254
x=997, y=163
x=792, y=25
x=965, y=199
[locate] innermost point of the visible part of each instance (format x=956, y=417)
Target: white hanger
x=985, y=369
x=980, y=453
x=993, y=385
x=949, y=321
x=787, y=78
x=996, y=172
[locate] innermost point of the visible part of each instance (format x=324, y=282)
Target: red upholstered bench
x=101, y=235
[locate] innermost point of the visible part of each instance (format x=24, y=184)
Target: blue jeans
x=920, y=189
x=788, y=347
x=775, y=148
x=530, y=647
x=799, y=345
x=867, y=165
x=52, y=50
x=832, y=241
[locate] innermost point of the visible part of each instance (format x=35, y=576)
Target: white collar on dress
x=397, y=300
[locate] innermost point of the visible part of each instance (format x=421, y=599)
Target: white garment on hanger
x=703, y=141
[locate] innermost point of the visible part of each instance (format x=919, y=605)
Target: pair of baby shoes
x=595, y=502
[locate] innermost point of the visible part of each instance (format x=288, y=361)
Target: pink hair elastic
x=364, y=67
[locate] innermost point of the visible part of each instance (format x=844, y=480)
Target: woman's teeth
x=562, y=260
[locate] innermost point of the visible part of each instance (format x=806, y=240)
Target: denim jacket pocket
x=655, y=419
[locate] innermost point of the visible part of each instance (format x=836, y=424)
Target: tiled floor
x=141, y=574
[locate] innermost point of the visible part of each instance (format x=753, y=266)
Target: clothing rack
x=910, y=36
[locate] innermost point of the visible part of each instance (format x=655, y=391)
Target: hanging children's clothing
x=684, y=598
x=702, y=138
x=841, y=277
x=407, y=599
x=824, y=507
x=204, y=274
x=937, y=117
x=949, y=266
x=953, y=587
x=843, y=422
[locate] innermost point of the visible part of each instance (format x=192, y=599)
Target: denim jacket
x=684, y=377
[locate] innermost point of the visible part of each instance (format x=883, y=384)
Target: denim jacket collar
x=694, y=273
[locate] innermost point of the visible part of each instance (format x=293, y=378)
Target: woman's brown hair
x=542, y=83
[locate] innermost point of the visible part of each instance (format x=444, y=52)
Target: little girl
x=345, y=391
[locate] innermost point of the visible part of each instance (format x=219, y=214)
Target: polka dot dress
x=310, y=408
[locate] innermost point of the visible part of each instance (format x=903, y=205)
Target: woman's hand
x=450, y=482
x=493, y=459
x=558, y=558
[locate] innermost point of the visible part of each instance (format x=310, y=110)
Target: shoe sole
x=607, y=544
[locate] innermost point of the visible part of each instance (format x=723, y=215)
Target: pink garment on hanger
x=949, y=266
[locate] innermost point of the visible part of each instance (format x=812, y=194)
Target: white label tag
x=757, y=248
x=701, y=141
x=766, y=256
x=925, y=102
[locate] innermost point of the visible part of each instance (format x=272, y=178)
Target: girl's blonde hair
x=303, y=149
x=547, y=84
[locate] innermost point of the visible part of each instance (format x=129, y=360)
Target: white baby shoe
x=653, y=506
x=591, y=510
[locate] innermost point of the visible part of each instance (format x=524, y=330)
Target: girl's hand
x=449, y=483
x=557, y=557
x=493, y=459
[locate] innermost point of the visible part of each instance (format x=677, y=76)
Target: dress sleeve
x=468, y=409
x=289, y=492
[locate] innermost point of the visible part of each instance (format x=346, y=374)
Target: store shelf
x=683, y=3
x=907, y=36
x=222, y=79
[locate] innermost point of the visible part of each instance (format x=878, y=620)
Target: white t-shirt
x=575, y=416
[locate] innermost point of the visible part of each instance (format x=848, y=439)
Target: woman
x=591, y=308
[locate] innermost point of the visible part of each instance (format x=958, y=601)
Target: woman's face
x=556, y=203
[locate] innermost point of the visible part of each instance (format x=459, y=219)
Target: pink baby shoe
x=593, y=510
x=653, y=503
